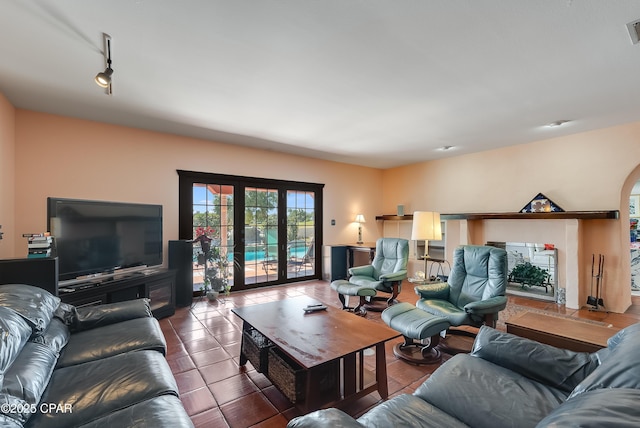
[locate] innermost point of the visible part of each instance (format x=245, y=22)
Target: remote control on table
x=316, y=307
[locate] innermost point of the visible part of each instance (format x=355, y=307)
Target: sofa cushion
x=14, y=333
x=620, y=368
x=34, y=304
x=66, y=313
x=113, y=339
x=89, y=317
x=611, y=407
x=560, y=368
x=482, y=394
x=27, y=378
x=55, y=336
x=159, y=412
x=408, y=411
x=7, y=422
x=616, y=339
x=93, y=390
x=325, y=418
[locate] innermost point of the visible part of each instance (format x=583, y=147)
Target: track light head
x=103, y=79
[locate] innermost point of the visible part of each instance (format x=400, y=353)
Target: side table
x=438, y=264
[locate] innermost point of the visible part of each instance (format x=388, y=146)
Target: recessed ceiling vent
x=634, y=31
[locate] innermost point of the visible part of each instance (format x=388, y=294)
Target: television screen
x=94, y=237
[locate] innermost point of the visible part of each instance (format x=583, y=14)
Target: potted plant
x=221, y=261
x=208, y=291
x=209, y=269
x=217, y=273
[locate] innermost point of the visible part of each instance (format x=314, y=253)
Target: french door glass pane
x=300, y=234
x=213, y=226
x=260, y=235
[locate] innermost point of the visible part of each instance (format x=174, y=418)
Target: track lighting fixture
x=103, y=79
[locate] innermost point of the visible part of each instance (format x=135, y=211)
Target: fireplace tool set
x=596, y=277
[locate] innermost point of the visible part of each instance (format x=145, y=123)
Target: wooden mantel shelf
x=581, y=215
x=395, y=217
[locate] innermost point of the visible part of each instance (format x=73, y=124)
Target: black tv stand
x=157, y=284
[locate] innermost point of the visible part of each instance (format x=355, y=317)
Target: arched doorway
x=630, y=219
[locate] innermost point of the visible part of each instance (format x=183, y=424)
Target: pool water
x=259, y=255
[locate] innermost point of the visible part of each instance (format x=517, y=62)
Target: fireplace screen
x=532, y=267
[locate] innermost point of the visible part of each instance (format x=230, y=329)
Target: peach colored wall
x=580, y=172
x=91, y=160
x=7, y=171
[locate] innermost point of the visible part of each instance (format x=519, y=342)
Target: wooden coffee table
x=565, y=333
x=317, y=340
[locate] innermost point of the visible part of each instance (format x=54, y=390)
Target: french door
x=260, y=231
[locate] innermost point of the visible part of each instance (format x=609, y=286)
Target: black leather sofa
x=508, y=381
x=98, y=366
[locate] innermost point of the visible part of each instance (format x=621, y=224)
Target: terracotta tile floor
x=204, y=347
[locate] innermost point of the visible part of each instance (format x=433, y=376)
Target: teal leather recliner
x=475, y=291
x=386, y=272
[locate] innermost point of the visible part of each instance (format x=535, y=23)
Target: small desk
x=565, y=333
x=366, y=247
x=339, y=258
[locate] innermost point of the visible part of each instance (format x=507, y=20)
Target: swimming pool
x=259, y=255
x=254, y=255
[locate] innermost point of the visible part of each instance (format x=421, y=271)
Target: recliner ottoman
x=416, y=326
x=346, y=288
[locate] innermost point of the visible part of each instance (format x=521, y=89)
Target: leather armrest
x=436, y=291
x=488, y=306
x=560, y=368
x=328, y=418
x=89, y=317
x=394, y=276
x=366, y=270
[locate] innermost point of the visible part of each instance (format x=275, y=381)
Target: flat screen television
x=97, y=237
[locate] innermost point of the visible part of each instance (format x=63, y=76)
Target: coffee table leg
x=349, y=375
x=243, y=358
x=381, y=371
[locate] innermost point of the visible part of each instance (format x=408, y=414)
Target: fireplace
x=576, y=235
x=564, y=233
x=532, y=269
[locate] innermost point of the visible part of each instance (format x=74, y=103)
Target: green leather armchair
x=387, y=271
x=475, y=290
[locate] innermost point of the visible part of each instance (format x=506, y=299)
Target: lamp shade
x=426, y=226
x=360, y=218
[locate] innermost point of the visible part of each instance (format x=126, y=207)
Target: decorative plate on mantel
x=541, y=204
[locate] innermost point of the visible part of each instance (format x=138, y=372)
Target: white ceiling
x=371, y=82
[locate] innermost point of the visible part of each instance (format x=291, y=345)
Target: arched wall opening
x=625, y=193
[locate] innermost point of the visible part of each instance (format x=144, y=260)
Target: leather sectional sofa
x=508, y=381
x=98, y=366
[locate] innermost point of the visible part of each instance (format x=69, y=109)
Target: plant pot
x=212, y=295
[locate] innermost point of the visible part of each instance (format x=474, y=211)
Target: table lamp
x=426, y=226
x=360, y=220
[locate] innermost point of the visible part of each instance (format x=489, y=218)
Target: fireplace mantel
x=580, y=215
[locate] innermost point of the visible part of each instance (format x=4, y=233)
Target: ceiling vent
x=634, y=31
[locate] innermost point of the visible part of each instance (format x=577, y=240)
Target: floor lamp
x=426, y=226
